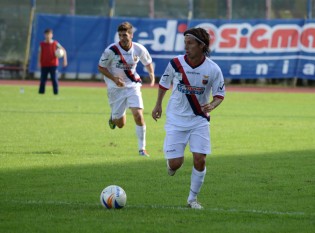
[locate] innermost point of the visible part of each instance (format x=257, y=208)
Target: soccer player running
x=194, y=77
x=48, y=62
x=118, y=63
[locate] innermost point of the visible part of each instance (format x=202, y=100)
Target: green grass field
x=57, y=153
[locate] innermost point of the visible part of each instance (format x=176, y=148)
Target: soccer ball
x=113, y=197
x=59, y=53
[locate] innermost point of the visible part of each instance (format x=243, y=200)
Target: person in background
x=194, y=77
x=48, y=61
x=118, y=64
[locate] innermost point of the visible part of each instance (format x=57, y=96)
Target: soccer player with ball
x=48, y=60
x=118, y=63
x=194, y=77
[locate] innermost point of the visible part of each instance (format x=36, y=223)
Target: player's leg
x=200, y=147
x=197, y=178
x=120, y=122
x=138, y=116
x=174, y=146
x=43, y=79
x=140, y=130
x=135, y=103
x=174, y=164
x=54, y=79
x=118, y=105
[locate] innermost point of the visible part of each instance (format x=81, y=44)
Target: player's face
x=193, y=48
x=125, y=39
x=48, y=36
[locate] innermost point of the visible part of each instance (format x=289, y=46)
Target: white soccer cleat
x=194, y=205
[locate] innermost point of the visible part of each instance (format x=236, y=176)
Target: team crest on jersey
x=205, y=79
x=116, y=58
x=179, y=76
x=135, y=58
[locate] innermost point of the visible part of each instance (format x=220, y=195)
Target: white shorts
x=122, y=98
x=175, y=142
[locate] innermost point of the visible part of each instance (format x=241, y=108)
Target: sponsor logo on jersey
x=190, y=90
x=221, y=87
x=192, y=72
x=124, y=66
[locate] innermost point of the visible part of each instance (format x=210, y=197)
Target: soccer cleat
x=143, y=153
x=111, y=123
x=194, y=205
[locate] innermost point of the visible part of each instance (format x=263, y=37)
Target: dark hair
x=202, y=35
x=48, y=30
x=125, y=26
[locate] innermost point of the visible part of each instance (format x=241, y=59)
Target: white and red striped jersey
x=192, y=87
x=123, y=63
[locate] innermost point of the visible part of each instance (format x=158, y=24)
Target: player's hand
x=157, y=112
x=119, y=82
x=207, y=108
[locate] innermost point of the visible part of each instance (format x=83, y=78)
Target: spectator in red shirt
x=48, y=61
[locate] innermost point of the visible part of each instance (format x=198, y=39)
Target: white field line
x=222, y=210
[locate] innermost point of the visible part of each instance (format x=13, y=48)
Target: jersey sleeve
x=167, y=77
x=145, y=57
x=58, y=44
x=218, y=86
x=106, y=58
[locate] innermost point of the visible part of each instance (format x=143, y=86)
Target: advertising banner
x=246, y=49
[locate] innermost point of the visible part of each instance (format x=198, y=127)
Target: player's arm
x=150, y=70
x=65, y=58
x=157, y=111
x=164, y=85
x=146, y=60
x=104, y=62
x=118, y=81
x=217, y=100
x=218, y=91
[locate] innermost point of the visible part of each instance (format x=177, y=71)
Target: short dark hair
x=125, y=26
x=203, y=36
x=48, y=30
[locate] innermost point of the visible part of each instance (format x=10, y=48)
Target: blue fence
x=242, y=48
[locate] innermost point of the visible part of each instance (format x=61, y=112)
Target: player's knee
x=139, y=119
x=200, y=162
x=119, y=123
x=175, y=164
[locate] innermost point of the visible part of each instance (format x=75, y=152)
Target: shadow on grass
x=241, y=181
x=270, y=188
